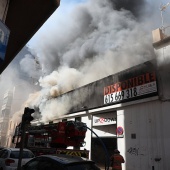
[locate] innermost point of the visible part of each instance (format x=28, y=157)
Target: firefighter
x=116, y=160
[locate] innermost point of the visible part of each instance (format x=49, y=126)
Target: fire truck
x=53, y=138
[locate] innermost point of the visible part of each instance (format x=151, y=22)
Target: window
x=42, y=164
x=26, y=154
x=4, y=154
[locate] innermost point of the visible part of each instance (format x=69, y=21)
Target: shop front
x=104, y=125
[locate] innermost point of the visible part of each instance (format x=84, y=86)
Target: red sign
x=131, y=88
x=130, y=83
x=119, y=130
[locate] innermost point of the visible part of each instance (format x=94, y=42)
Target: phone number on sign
x=130, y=93
x=121, y=95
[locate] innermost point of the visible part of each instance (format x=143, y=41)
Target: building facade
x=12, y=102
x=128, y=111
x=5, y=117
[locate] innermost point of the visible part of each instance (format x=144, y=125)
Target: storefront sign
x=4, y=35
x=134, y=87
x=104, y=119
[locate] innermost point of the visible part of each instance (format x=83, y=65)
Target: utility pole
x=26, y=119
x=23, y=125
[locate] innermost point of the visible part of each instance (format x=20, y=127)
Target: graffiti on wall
x=133, y=151
x=137, y=151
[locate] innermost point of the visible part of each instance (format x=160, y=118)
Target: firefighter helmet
x=116, y=151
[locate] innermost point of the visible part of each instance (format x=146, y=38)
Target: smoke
x=131, y=5
x=30, y=66
x=97, y=38
x=89, y=30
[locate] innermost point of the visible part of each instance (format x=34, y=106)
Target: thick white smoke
x=93, y=41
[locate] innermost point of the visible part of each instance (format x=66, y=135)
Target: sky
x=84, y=41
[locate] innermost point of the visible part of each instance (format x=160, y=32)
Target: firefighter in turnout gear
x=116, y=160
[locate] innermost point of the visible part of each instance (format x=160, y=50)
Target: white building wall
x=165, y=134
x=150, y=123
x=120, y=141
x=88, y=121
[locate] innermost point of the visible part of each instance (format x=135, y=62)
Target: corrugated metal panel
x=146, y=141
